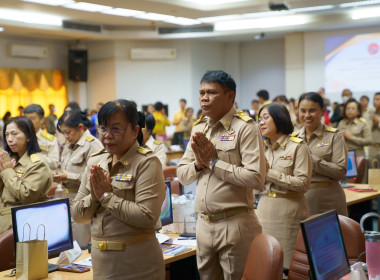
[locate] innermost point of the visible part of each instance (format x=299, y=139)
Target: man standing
x=178, y=117
x=47, y=142
x=226, y=156
x=263, y=96
x=51, y=120
x=374, y=149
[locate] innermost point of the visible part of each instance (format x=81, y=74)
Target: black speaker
x=78, y=65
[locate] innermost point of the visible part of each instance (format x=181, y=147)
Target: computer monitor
x=352, y=170
x=325, y=247
x=166, y=216
x=54, y=215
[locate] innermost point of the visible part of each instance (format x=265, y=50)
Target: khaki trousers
x=222, y=247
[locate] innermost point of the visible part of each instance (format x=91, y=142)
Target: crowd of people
x=110, y=165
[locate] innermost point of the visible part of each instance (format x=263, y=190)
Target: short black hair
x=26, y=126
x=73, y=119
x=158, y=106
x=35, y=108
x=377, y=93
x=352, y=100
x=255, y=101
x=129, y=110
x=264, y=94
x=183, y=100
x=312, y=96
x=364, y=96
x=150, y=122
x=280, y=116
x=72, y=105
x=220, y=77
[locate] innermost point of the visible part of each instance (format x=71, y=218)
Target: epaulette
x=244, y=116
x=330, y=129
x=34, y=157
x=295, y=134
x=98, y=152
x=296, y=139
x=198, y=120
x=142, y=150
x=47, y=136
x=157, y=142
x=90, y=138
x=362, y=119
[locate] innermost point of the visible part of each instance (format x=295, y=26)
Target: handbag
x=374, y=173
x=32, y=257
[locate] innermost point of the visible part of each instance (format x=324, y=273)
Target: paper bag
x=32, y=258
x=374, y=173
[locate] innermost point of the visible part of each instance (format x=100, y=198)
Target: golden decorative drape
x=27, y=86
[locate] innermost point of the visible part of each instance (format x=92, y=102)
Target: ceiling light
x=259, y=36
x=219, y=18
x=183, y=21
x=50, y=2
x=365, y=13
x=88, y=7
x=122, y=12
x=313, y=9
x=261, y=23
x=359, y=3
x=154, y=17
x=213, y=2
x=1, y=29
x=28, y=17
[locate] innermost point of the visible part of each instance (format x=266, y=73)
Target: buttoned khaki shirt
x=328, y=152
x=134, y=206
x=376, y=130
x=360, y=131
x=240, y=167
x=290, y=165
x=74, y=158
x=49, y=148
x=158, y=149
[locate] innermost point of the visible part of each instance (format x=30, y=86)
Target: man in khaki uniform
x=47, y=142
x=374, y=149
x=226, y=156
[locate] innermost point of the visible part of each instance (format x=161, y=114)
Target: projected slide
x=353, y=62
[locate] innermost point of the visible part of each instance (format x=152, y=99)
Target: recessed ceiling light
x=312, y=9
x=365, y=13
x=183, y=21
x=122, y=12
x=88, y=7
x=29, y=17
x=50, y=2
x=1, y=29
x=359, y=3
x=219, y=18
x=154, y=17
x=213, y=2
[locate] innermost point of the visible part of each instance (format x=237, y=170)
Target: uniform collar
x=82, y=140
x=281, y=142
x=226, y=119
x=149, y=143
x=124, y=160
x=318, y=132
x=354, y=121
x=24, y=160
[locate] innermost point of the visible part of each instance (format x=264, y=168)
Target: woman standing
x=354, y=128
x=24, y=177
x=283, y=204
x=329, y=154
x=80, y=144
x=121, y=194
x=156, y=146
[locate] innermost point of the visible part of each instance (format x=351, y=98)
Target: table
x=357, y=197
x=173, y=155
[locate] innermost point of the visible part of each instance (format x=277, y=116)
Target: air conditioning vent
x=153, y=54
x=173, y=30
x=28, y=51
x=82, y=26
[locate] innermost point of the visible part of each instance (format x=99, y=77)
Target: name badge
x=285, y=157
x=227, y=137
x=323, y=144
x=123, y=177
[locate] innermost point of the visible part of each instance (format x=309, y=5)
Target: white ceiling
x=116, y=27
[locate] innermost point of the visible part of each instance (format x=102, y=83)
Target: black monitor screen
x=325, y=247
x=53, y=214
x=352, y=170
x=166, y=216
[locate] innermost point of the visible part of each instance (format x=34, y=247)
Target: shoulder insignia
x=142, y=150
x=198, y=120
x=362, y=119
x=330, y=129
x=295, y=134
x=157, y=142
x=90, y=138
x=47, y=136
x=244, y=116
x=34, y=157
x=296, y=139
x=98, y=152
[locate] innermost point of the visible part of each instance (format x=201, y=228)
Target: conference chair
x=265, y=259
x=353, y=240
x=170, y=172
x=7, y=249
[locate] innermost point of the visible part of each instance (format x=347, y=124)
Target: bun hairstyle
x=128, y=108
x=73, y=119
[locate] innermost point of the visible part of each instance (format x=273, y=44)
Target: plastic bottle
x=59, y=192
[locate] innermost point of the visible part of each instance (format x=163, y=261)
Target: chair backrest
x=353, y=240
x=170, y=172
x=7, y=249
x=265, y=259
x=361, y=166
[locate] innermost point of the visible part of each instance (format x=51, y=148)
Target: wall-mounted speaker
x=78, y=65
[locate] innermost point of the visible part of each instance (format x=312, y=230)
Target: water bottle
x=59, y=192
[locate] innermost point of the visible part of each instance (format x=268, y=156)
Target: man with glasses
x=225, y=155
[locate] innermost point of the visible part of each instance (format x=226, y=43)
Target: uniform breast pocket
x=285, y=166
x=226, y=151
x=125, y=190
x=323, y=152
x=77, y=159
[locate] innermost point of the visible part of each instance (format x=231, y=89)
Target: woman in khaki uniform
x=329, y=154
x=354, y=128
x=24, y=177
x=76, y=152
x=283, y=205
x=121, y=194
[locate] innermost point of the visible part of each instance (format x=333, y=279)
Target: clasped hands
x=100, y=182
x=6, y=161
x=203, y=149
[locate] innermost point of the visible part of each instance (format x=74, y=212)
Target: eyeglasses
x=265, y=118
x=114, y=130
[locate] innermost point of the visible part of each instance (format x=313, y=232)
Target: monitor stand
x=52, y=267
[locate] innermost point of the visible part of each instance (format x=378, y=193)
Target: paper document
x=163, y=238
x=85, y=262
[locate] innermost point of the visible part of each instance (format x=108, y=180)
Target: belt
x=321, y=184
x=119, y=245
x=212, y=218
x=376, y=145
x=284, y=195
x=5, y=211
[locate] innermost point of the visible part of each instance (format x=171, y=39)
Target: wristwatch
x=105, y=195
x=213, y=161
